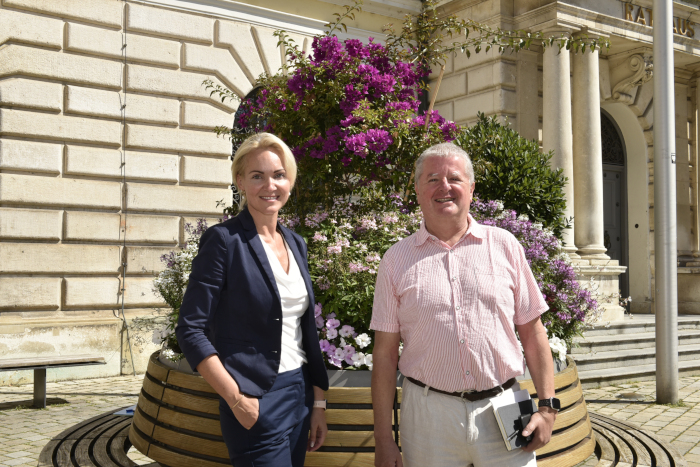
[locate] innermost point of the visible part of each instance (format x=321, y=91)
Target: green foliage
x=510, y=168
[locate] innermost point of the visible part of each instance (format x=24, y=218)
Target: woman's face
x=264, y=181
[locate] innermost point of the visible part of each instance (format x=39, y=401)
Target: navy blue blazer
x=232, y=307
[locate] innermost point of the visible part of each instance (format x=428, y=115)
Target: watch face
x=552, y=402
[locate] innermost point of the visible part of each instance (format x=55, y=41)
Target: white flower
x=363, y=340
x=342, y=342
x=499, y=204
x=558, y=347
x=168, y=353
x=523, y=217
x=537, y=225
x=368, y=361
x=358, y=359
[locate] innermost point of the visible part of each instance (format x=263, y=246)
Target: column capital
x=592, y=33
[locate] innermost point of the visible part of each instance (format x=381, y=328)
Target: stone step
x=620, y=359
x=639, y=324
x=614, y=342
x=628, y=374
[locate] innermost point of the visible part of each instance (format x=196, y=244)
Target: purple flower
x=325, y=345
x=346, y=331
x=332, y=323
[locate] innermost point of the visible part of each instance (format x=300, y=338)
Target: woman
x=246, y=321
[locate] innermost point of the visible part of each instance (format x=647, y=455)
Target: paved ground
x=24, y=431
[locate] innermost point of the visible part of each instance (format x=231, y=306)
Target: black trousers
x=280, y=436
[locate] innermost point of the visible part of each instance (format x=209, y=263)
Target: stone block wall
x=106, y=152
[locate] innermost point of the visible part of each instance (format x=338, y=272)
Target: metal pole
x=665, y=249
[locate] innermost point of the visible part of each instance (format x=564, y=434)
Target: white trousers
x=438, y=430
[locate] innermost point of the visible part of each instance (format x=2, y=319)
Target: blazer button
x=274, y=351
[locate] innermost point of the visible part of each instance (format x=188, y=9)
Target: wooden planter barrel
x=176, y=423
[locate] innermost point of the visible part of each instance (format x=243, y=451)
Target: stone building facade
x=107, y=149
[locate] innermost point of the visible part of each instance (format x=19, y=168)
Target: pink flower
x=331, y=333
x=335, y=250
x=373, y=258
x=317, y=310
x=325, y=345
x=319, y=322
x=347, y=331
x=332, y=323
x=319, y=237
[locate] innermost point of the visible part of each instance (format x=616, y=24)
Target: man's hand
x=541, y=424
x=247, y=411
x=319, y=429
x=387, y=454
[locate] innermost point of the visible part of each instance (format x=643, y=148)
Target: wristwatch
x=320, y=404
x=552, y=403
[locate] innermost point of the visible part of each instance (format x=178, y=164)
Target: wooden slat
x=561, y=380
x=119, y=447
x=571, y=415
x=349, y=439
x=82, y=454
x=63, y=452
x=571, y=457
x=11, y=363
x=353, y=395
x=568, y=437
x=623, y=430
x=349, y=396
x=190, y=443
x=190, y=422
x=102, y=448
x=353, y=417
x=142, y=424
x=569, y=396
x=148, y=407
x=339, y=459
x=154, y=390
x=191, y=402
x=157, y=369
x=46, y=455
x=174, y=459
x=183, y=380
x=138, y=442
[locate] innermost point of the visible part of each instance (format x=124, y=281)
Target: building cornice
x=238, y=11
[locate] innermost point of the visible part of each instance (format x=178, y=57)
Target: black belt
x=470, y=396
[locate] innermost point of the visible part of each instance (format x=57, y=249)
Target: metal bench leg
x=40, y=388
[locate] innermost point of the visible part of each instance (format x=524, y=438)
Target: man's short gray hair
x=445, y=150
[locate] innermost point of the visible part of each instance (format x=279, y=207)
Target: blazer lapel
x=300, y=260
x=256, y=245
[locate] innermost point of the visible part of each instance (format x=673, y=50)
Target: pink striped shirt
x=455, y=307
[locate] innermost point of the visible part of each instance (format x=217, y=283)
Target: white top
x=295, y=301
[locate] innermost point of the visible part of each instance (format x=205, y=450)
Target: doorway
x=615, y=195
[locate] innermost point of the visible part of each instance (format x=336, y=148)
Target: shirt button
x=454, y=279
x=461, y=341
x=466, y=372
x=458, y=307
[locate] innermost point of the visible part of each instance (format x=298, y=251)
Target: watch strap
x=320, y=404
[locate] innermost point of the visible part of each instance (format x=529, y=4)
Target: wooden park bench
x=41, y=364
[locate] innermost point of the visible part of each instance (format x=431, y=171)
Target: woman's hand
x=319, y=429
x=247, y=411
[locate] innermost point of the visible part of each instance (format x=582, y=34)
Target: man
x=452, y=293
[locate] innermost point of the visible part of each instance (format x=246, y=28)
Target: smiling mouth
x=269, y=198
x=444, y=200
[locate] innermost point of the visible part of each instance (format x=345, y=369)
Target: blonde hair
x=263, y=141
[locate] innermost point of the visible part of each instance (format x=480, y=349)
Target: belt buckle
x=467, y=391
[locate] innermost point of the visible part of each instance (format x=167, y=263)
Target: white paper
x=509, y=397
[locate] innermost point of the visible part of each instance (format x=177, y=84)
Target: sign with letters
x=645, y=16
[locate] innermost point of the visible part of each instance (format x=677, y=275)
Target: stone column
x=588, y=157
x=556, y=127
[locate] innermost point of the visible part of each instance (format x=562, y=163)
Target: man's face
x=444, y=190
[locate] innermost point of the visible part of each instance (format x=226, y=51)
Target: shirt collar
x=475, y=229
